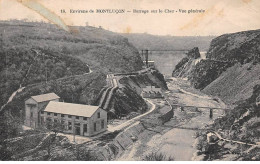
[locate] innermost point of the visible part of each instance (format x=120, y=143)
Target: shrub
x=158, y=157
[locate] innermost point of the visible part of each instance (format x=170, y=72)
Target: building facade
x=34, y=105
x=151, y=92
x=84, y=120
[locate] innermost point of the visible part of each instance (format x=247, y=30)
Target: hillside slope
x=39, y=58
x=236, y=83
x=39, y=52
x=230, y=72
x=155, y=42
x=240, y=47
x=212, y=74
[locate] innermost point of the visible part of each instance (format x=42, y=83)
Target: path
x=238, y=142
x=21, y=88
x=133, y=120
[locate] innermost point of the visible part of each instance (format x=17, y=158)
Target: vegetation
x=147, y=41
x=240, y=124
x=206, y=72
x=240, y=47
x=43, y=58
x=158, y=157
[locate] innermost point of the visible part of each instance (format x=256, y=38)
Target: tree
x=55, y=126
x=8, y=128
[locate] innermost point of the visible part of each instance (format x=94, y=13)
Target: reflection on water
x=165, y=62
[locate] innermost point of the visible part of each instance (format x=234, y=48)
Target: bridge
x=203, y=107
x=160, y=50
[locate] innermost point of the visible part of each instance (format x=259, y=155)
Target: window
x=42, y=112
x=31, y=114
x=85, y=118
x=102, y=124
x=69, y=116
x=77, y=117
x=98, y=115
x=48, y=113
x=95, y=127
x=62, y=115
x=69, y=126
x=85, y=128
x=55, y=114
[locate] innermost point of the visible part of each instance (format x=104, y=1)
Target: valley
x=197, y=102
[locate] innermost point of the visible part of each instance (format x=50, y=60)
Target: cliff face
x=242, y=51
x=225, y=51
x=184, y=67
x=231, y=72
x=240, y=47
x=206, y=71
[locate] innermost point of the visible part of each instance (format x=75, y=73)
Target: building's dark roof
x=45, y=97
x=71, y=109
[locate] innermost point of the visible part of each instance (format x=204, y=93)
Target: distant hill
x=35, y=52
x=147, y=41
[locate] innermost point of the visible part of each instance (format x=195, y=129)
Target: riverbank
x=175, y=139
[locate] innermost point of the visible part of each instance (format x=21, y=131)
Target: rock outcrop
x=225, y=51
x=185, y=66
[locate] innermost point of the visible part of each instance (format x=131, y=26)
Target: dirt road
x=133, y=120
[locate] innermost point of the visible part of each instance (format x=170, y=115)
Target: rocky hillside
x=185, y=66
x=240, y=124
x=240, y=47
x=231, y=63
x=236, y=83
x=231, y=72
x=40, y=52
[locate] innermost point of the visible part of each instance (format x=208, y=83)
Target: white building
x=34, y=105
x=85, y=120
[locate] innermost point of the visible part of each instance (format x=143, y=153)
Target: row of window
x=63, y=115
x=69, y=127
x=69, y=116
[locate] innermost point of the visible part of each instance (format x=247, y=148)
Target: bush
x=158, y=157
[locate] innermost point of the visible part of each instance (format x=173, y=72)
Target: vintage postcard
x=129, y=80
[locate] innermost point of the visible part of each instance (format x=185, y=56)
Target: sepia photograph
x=129, y=80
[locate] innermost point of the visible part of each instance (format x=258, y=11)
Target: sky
x=220, y=16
